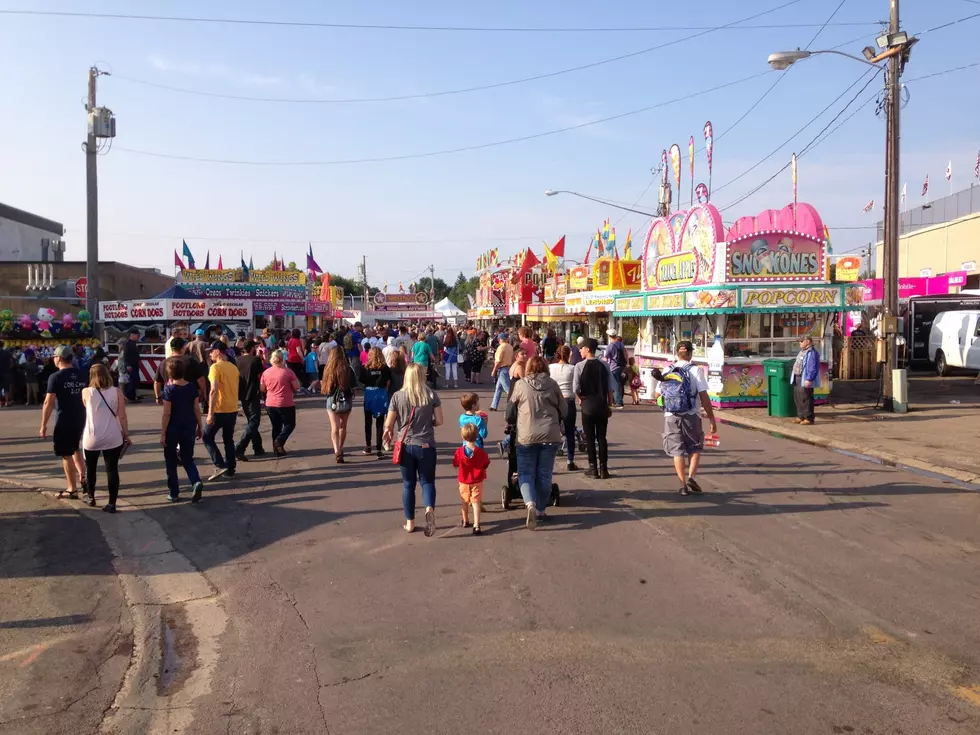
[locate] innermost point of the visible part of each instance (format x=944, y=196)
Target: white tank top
x=102, y=430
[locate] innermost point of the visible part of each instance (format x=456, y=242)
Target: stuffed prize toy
x=44, y=319
x=6, y=321
x=85, y=318
x=26, y=323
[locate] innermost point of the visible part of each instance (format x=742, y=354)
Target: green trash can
x=778, y=374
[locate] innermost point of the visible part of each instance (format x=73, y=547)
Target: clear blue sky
x=455, y=205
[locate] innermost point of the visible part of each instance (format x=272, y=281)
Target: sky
x=444, y=210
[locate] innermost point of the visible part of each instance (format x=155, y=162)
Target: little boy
x=472, y=463
x=473, y=415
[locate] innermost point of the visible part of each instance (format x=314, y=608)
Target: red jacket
x=472, y=469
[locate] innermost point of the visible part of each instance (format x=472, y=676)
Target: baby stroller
x=580, y=446
x=512, y=490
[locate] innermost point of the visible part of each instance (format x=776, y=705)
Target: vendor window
x=693, y=329
x=749, y=335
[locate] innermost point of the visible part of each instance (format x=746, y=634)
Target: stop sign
x=81, y=287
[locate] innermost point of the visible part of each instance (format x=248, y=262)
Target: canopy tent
x=448, y=309
x=175, y=292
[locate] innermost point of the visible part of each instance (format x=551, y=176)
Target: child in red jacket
x=472, y=462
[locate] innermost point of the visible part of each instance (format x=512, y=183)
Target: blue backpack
x=678, y=391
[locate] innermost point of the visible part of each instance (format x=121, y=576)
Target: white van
x=954, y=341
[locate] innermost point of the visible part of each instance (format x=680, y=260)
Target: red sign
x=81, y=287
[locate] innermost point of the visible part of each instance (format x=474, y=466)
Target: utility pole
x=890, y=253
x=432, y=283
x=92, y=207
x=364, y=281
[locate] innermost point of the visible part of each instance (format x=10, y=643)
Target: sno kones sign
x=775, y=256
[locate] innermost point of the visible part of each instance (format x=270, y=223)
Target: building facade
x=29, y=237
x=940, y=237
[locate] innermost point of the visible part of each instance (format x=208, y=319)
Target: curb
x=173, y=609
x=971, y=480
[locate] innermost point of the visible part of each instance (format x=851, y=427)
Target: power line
x=464, y=90
x=282, y=241
x=394, y=27
x=448, y=151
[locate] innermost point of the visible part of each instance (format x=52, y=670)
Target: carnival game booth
x=740, y=297
x=159, y=319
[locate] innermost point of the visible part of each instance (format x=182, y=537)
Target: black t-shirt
x=192, y=370
x=6, y=362
x=131, y=352
x=67, y=387
x=375, y=378
x=594, y=389
x=250, y=369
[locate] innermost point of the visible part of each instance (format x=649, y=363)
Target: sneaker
x=592, y=473
x=90, y=499
x=367, y=451
x=693, y=485
x=218, y=474
x=500, y=446
x=684, y=490
x=572, y=467
x=532, y=518
x=198, y=490
x=241, y=457
x=618, y=408
x=604, y=474
x=109, y=508
x=173, y=497
x=258, y=454
x=381, y=455
x=430, y=523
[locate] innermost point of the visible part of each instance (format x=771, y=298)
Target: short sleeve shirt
x=279, y=384
x=697, y=380
x=421, y=353
x=421, y=432
x=292, y=350
x=225, y=376
x=504, y=355
x=67, y=386
x=182, y=399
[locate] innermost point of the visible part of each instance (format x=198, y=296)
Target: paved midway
x=805, y=592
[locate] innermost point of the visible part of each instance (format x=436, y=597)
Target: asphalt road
x=804, y=592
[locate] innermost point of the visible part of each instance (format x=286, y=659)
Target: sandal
x=68, y=495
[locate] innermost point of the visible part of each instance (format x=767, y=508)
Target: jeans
x=617, y=386
x=418, y=464
x=503, y=386
x=111, y=459
x=283, y=422
x=452, y=372
x=225, y=423
x=253, y=417
x=184, y=440
x=129, y=388
x=570, y=416
x=595, y=433
x=379, y=424
x=535, y=465
x=804, y=401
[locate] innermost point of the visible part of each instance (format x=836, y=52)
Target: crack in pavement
x=352, y=679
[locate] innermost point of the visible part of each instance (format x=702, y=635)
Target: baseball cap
x=611, y=332
x=63, y=352
x=218, y=345
x=685, y=345
x=198, y=332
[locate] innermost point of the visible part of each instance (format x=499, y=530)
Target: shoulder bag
x=127, y=442
x=396, y=454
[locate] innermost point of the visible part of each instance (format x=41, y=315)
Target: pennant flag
x=675, y=163
x=599, y=249
x=220, y=267
x=925, y=186
x=611, y=244
x=701, y=193
x=976, y=169
x=190, y=258
x=311, y=264
x=905, y=191
x=275, y=260
x=530, y=260
x=826, y=237
x=384, y=289
x=472, y=302
x=178, y=263
x=245, y=268
x=251, y=265
x=588, y=252
x=869, y=206
x=207, y=261
x=552, y=254
x=663, y=167
x=709, y=142
x=949, y=171
x=628, y=250
x=690, y=155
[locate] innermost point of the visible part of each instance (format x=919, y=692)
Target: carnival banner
x=231, y=275
x=277, y=277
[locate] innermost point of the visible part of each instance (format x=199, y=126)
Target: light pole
x=894, y=46
x=553, y=192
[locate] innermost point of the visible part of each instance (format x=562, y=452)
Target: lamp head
x=550, y=192
x=782, y=60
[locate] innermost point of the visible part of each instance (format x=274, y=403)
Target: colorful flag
x=628, y=250
x=589, y=250
x=663, y=166
x=792, y=163
x=529, y=261
x=190, y=258
x=905, y=191
x=611, y=243
x=551, y=254
x=178, y=263
x=976, y=169
x=275, y=260
x=949, y=171
x=311, y=264
x=701, y=193
x=709, y=142
x=925, y=186
x=869, y=206
x=245, y=268
x=600, y=252
x=207, y=261
x=220, y=267
x=690, y=155
x=675, y=163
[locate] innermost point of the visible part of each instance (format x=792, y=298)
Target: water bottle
x=712, y=440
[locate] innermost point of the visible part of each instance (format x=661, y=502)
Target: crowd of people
x=542, y=384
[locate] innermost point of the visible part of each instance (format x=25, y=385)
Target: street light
x=553, y=192
x=895, y=45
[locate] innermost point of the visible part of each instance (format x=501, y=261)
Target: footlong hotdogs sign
x=194, y=310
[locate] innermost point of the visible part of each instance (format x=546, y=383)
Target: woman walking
x=450, y=356
x=296, y=355
x=338, y=386
x=375, y=376
x=549, y=346
x=538, y=410
x=563, y=373
x=414, y=413
x=481, y=344
x=279, y=386
x=106, y=432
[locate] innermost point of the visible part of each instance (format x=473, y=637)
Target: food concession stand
x=740, y=297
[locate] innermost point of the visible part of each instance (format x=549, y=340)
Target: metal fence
x=936, y=212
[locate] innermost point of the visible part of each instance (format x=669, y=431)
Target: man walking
x=352, y=347
x=222, y=411
x=503, y=358
x=65, y=391
x=193, y=372
x=131, y=359
x=592, y=384
x=806, y=374
x=616, y=360
x=683, y=387
x=250, y=369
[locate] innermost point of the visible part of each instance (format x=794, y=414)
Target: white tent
x=449, y=311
